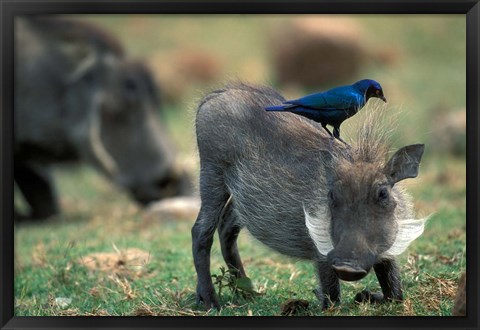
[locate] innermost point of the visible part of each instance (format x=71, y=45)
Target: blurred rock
x=198, y=65
x=317, y=51
x=449, y=132
x=388, y=56
x=460, y=305
x=178, y=70
x=63, y=302
x=175, y=208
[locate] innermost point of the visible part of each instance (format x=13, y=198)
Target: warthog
x=78, y=98
x=300, y=193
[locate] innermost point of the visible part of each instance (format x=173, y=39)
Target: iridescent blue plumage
x=334, y=106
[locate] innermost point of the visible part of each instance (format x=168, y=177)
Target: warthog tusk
x=102, y=155
x=86, y=64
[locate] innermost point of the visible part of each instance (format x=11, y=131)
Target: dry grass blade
x=124, y=284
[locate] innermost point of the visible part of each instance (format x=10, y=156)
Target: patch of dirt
x=130, y=262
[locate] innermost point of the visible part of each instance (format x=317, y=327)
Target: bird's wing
x=280, y=107
x=336, y=98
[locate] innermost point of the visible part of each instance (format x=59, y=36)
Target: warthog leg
x=213, y=195
x=228, y=231
x=329, y=291
x=36, y=185
x=388, y=275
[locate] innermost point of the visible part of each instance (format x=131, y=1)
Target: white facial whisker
x=408, y=231
x=319, y=230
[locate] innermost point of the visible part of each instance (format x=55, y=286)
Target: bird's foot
x=340, y=139
x=328, y=131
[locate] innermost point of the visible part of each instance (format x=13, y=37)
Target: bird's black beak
x=383, y=99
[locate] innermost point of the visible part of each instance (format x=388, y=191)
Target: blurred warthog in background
x=77, y=97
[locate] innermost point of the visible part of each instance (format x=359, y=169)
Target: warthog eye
x=330, y=195
x=382, y=194
x=130, y=85
x=90, y=78
x=332, y=199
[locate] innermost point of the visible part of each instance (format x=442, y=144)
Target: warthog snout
x=350, y=267
x=348, y=270
x=170, y=185
x=352, y=258
x=146, y=193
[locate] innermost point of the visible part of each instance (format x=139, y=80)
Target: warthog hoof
x=208, y=297
x=374, y=297
x=325, y=299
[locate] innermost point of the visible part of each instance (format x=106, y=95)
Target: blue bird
x=334, y=106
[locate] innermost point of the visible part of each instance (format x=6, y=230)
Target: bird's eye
x=377, y=92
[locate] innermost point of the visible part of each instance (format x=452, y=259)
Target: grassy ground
x=54, y=259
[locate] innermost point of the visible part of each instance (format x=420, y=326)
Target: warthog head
x=103, y=107
x=366, y=217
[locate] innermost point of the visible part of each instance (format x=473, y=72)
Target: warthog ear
x=404, y=163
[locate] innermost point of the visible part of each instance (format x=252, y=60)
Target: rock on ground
x=185, y=208
x=317, y=51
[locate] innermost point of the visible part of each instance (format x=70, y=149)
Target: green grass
x=48, y=260
x=99, y=218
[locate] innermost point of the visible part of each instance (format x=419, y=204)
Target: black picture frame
x=11, y=8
